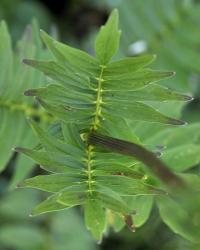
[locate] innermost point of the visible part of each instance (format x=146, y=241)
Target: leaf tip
x=18, y=149
x=21, y=184
x=99, y=242
x=188, y=98
x=42, y=32
x=30, y=92
x=115, y=12
x=177, y=122
x=26, y=61
x=153, y=58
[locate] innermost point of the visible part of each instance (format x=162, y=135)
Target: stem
x=99, y=101
x=148, y=158
x=94, y=126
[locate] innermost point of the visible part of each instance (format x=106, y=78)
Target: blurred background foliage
x=167, y=28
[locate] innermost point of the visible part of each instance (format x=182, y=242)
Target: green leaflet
x=54, y=145
x=182, y=157
x=23, y=167
x=134, y=80
x=95, y=218
x=173, y=137
x=71, y=135
x=6, y=56
x=111, y=199
x=51, y=159
x=49, y=205
x=63, y=73
x=101, y=159
x=51, y=183
x=66, y=113
x=115, y=220
x=116, y=131
x=56, y=93
x=127, y=65
x=107, y=41
x=127, y=186
x=139, y=112
x=7, y=126
x=78, y=59
x=117, y=169
x=193, y=180
x=142, y=206
x=178, y=219
x=58, y=169
x=151, y=92
x=181, y=211
x=74, y=195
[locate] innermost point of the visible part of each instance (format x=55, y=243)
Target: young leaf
x=107, y=41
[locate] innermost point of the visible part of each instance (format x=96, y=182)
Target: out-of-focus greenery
x=19, y=13
x=14, y=106
x=57, y=232
x=170, y=30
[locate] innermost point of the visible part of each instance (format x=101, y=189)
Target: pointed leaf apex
x=21, y=150
x=154, y=56
x=42, y=32
x=115, y=13
x=26, y=61
x=188, y=98
x=177, y=122
x=30, y=92
x=18, y=149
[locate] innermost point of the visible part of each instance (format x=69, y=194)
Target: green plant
x=94, y=96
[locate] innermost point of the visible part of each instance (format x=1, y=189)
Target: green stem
x=95, y=125
x=99, y=101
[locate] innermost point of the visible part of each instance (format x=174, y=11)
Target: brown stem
x=140, y=153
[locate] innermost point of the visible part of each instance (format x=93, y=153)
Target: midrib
x=94, y=126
